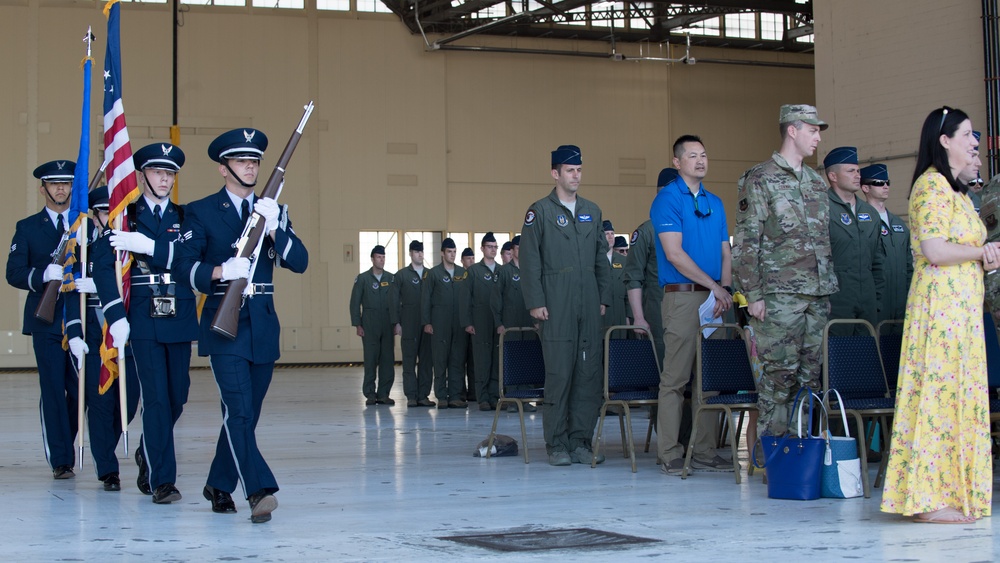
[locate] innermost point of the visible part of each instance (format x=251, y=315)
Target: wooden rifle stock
x=226, y=321
x=46, y=309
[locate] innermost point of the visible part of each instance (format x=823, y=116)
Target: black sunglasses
x=878, y=183
x=698, y=212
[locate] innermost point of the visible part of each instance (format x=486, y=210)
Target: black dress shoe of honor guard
x=262, y=504
x=142, y=481
x=63, y=472
x=112, y=482
x=166, y=494
x=222, y=502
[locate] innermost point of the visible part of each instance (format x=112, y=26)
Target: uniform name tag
x=585, y=218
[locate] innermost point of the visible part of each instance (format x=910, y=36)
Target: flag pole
x=122, y=386
x=81, y=235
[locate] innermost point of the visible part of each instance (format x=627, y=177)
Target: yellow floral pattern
x=940, y=452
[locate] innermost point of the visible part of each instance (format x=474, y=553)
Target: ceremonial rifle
x=227, y=319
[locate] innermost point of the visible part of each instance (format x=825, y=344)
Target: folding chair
x=521, y=365
x=853, y=366
x=890, y=345
x=631, y=379
x=722, y=365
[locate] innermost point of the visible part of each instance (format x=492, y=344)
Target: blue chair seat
x=873, y=403
x=737, y=399
x=634, y=396
x=994, y=405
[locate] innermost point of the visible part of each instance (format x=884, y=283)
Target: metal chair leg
x=600, y=431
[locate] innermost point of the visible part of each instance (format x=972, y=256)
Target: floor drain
x=540, y=540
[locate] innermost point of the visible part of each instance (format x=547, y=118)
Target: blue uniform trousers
x=164, y=377
x=242, y=386
x=58, y=403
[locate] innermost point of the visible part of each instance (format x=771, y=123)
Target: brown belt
x=672, y=287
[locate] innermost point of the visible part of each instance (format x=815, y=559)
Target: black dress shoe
x=112, y=482
x=63, y=472
x=425, y=402
x=370, y=401
x=262, y=504
x=386, y=401
x=142, y=481
x=222, y=502
x=166, y=494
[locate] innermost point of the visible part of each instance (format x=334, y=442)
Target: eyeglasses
x=698, y=212
x=877, y=183
x=944, y=114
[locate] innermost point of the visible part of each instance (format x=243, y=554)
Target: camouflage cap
x=803, y=113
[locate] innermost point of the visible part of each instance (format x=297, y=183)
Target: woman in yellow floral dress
x=939, y=461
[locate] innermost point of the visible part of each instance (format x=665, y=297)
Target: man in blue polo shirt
x=693, y=262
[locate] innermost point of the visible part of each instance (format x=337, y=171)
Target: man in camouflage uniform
x=783, y=264
x=565, y=278
x=617, y=312
x=854, y=233
x=482, y=331
x=642, y=278
x=990, y=213
x=374, y=314
x=444, y=297
x=893, y=245
x=416, y=347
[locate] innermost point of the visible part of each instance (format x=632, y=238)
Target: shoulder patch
x=529, y=217
x=356, y=279
x=635, y=237
x=744, y=205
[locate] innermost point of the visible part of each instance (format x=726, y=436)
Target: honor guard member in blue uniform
x=374, y=311
x=894, y=245
x=243, y=366
x=160, y=322
x=566, y=277
x=103, y=415
x=445, y=294
x=642, y=278
x=482, y=280
x=854, y=238
x=617, y=311
x=30, y=267
x=418, y=374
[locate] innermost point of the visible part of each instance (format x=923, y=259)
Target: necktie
x=245, y=212
x=60, y=226
x=156, y=213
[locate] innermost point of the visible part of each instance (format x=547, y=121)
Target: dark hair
x=942, y=121
x=679, y=143
x=783, y=127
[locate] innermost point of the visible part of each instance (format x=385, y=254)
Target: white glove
x=119, y=332
x=132, y=242
x=85, y=285
x=52, y=272
x=268, y=209
x=235, y=268
x=79, y=349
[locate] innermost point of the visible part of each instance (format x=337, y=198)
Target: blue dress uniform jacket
x=30, y=252
x=161, y=346
x=143, y=326
x=214, y=225
x=242, y=367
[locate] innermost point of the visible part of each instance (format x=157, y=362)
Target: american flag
x=120, y=172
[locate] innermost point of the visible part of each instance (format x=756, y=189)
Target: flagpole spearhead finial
x=89, y=39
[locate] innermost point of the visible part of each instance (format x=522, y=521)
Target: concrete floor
x=385, y=483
